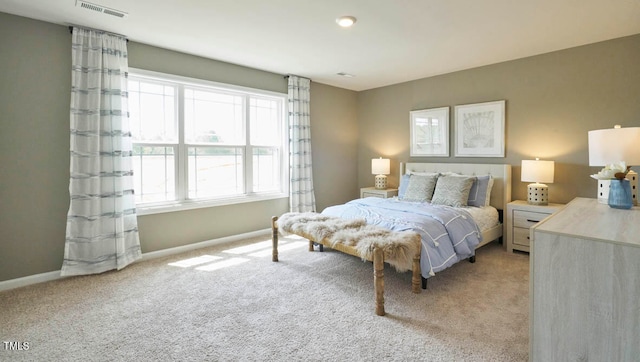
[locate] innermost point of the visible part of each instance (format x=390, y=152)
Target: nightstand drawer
x=521, y=236
x=526, y=219
x=521, y=216
x=372, y=194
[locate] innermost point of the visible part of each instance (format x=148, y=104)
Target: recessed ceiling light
x=343, y=74
x=346, y=21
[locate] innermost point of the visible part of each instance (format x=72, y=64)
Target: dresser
x=520, y=217
x=585, y=284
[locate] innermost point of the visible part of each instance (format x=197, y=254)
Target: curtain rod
x=288, y=75
x=103, y=31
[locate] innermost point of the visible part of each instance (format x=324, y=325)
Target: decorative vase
x=620, y=194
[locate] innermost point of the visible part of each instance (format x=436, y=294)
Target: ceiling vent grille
x=100, y=9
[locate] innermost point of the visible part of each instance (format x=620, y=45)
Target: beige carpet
x=231, y=303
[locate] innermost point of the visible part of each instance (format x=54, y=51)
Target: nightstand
x=520, y=217
x=374, y=192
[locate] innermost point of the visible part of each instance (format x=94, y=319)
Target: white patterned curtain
x=301, y=197
x=102, y=227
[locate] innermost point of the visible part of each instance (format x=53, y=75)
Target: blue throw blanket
x=448, y=234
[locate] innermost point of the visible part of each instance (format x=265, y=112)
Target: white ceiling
x=393, y=41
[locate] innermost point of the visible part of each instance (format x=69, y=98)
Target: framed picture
x=429, y=132
x=480, y=129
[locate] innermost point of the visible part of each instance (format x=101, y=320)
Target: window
x=198, y=143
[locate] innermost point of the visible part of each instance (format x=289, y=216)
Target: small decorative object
x=620, y=196
x=480, y=129
x=609, y=146
x=537, y=171
x=429, y=132
x=381, y=168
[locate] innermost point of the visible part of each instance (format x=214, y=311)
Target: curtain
x=102, y=227
x=301, y=197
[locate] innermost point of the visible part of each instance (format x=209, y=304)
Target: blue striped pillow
x=480, y=192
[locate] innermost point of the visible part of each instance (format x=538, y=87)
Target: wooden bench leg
x=378, y=279
x=417, y=274
x=274, y=239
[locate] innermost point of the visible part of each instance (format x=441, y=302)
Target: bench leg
x=417, y=274
x=274, y=239
x=312, y=245
x=378, y=279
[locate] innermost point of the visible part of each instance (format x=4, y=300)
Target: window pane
x=266, y=169
x=154, y=174
x=152, y=112
x=265, y=122
x=213, y=118
x=215, y=171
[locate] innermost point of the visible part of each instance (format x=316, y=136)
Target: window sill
x=191, y=205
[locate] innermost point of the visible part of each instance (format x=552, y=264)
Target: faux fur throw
x=399, y=248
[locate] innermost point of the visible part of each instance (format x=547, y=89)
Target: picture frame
x=480, y=129
x=429, y=132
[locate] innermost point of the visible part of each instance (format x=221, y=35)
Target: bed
x=500, y=194
x=438, y=245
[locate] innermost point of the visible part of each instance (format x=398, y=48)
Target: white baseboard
x=202, y=244
x=28, y=280
x=54, y=275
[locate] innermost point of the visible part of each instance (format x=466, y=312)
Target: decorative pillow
x=452, y=190
x=420, y=188
x=480, y=192
x=404, y=181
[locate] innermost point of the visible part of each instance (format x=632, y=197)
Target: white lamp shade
x=611, y=145
x=380, y=166
x=537, y=171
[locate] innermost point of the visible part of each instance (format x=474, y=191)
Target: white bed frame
x=500, y=193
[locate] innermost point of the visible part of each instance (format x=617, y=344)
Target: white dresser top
x=592, y=220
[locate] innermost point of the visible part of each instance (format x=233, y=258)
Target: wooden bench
x=378, y=259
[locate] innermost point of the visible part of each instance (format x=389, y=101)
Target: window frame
x=181, y=161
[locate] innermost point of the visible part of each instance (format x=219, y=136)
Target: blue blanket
x=448, y=234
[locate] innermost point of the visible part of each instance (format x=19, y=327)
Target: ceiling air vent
x=100, y=9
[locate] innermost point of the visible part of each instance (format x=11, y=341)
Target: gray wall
x=35, y=79
x=552, y=101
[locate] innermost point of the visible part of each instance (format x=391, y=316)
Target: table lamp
x=381, y=168
x=611, y=145
x=538, y=172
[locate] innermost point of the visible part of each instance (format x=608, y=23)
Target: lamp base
x=603, y=191
x=381, y=182
x=538, y=194
x=632, y=176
